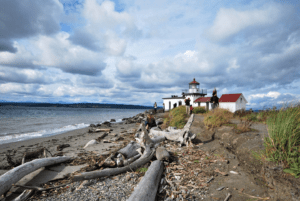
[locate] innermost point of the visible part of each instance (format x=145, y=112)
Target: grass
x=217, y=117
x=283, y=143
x=142, y=170
x=199, y=110
x=177, y=117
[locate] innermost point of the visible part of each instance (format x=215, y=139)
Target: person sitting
x=191, y=110
x=150, y=122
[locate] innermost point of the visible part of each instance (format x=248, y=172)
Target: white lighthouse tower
x=193, y=93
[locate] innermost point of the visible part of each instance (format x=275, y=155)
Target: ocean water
x=21, y=123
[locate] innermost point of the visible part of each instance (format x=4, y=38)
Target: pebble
x=116, y=188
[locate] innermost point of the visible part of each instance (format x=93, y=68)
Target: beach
x=120, y=134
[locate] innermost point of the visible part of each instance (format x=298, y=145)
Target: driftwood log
x=24, y=195
x=147, y=188
x=145, y=158
x=14, y=175
x=130, y=150
x=162, y=154
x=90, y=143
x=181, y=135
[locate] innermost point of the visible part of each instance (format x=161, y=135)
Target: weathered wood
x=130, y=150
x=14, y=175
x=132, y=159
x=24, y=195
x=162, y=154
x=90, y=143
x=146, y=157
x=180, y=135
x=102, y=130
x=147, y=188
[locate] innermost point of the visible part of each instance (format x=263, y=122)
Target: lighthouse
x=193, y=93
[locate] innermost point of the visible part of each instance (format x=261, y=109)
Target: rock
x=62, y=146
x=112, y=120
x=98, y=125
x=92, y=125
x=106, y=123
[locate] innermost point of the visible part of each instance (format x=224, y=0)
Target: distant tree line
x=77, y=105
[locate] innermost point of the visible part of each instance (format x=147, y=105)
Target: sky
x=140, y=51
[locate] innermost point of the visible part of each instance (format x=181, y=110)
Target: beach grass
x=177, y=117
x=199, y=110
x=217, y=117
x=283, y=143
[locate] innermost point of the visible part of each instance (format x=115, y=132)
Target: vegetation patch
x=217, y=117
x=177, y=117
x=283, y=143
x=199, y=110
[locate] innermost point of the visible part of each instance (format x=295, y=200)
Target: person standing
x=187, y=105
x=155, y=107
x=214, y=99
x=164, y=107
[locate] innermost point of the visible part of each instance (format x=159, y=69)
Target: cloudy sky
x=140, y=51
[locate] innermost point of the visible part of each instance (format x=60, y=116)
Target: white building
x=203, y=102
x=194, y=92
x=233, y=102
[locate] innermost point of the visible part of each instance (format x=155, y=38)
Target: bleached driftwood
x=144, y=140
x=24, y=195
x=145, y=158
x=130, y=150
x=90, y=143
x=162, y=154
x=102, y=130
x=109, y=161
x=14, y=175
x=132, y=159
x=147, y=188
x=180, y=135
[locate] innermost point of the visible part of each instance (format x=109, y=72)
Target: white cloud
x=230, y=21
x=271, y=94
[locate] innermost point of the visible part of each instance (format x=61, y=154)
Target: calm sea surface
x=21, y=123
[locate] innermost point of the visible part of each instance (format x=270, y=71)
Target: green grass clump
x=142, y=170
x=217, y=117
x=178, y=117
x=199, y=110
x=283, y=143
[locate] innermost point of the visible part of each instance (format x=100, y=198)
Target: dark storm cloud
x=26, y=18
x=83, y=67
x=86, y=40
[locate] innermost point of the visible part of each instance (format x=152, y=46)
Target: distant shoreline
x=76, y=105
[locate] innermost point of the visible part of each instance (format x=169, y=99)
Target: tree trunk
x=180, y=135
x=130, y=150
x=145, y=158
x=19, y=172
x=147, y=188
x=162, y=154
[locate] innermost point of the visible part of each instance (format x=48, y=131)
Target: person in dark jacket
x=187, y=105
x=150, y=122
x=214, y=99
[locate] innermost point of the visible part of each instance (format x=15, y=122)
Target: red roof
x=202, y=99
x=194, y=82
x=229, y=97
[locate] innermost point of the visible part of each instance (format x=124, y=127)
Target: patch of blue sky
x=65, y=27
x=71, y=6
x=173, y=50
x=119, y=6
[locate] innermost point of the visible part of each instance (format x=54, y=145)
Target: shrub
x=217, y=117
x=199, y=110
x=177, y=117
x=283, y=143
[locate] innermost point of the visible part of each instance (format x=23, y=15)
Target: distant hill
x=75, y=105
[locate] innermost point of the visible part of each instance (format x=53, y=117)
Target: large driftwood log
x=130, y=150
x=19, y=172
x=180, y=135
x=147, y=188
x=162, y=154
x=24, y=196
x=145, y=158
x=132, y=159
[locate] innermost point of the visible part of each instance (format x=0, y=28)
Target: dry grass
x=217, y=117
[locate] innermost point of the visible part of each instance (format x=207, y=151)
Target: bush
x=178, y=117
x=199, y=110
x=283, y=143
x=217, y=117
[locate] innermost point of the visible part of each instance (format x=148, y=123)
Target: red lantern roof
x=202, y=99
x=229, y=97
x=194, y=82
